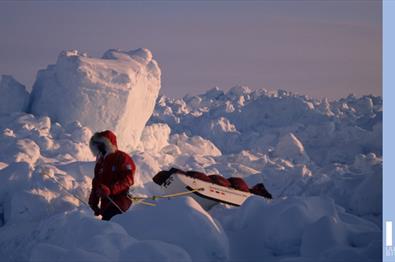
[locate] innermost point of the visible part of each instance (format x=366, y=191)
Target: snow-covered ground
x=320, y=159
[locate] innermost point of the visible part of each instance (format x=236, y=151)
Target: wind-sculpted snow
x=115, y=92
x=320, y=159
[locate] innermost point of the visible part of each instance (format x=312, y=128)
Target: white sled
x=207, y=194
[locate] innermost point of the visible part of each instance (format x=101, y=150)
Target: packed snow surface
x=117, y=91
x=320, y=159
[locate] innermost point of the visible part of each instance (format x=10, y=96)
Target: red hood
x=108, y=138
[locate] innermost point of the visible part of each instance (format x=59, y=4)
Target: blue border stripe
x=389, y=118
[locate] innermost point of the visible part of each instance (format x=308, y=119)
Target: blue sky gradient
x=318, y=48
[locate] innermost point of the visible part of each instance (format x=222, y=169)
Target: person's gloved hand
x=104, y=191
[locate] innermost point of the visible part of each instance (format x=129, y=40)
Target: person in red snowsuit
x=114, y=174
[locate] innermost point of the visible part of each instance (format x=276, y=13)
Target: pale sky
x=318, y=48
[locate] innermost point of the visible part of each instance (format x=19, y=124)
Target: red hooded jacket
x=115, y=170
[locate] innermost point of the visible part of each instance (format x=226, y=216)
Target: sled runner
x=208, y=190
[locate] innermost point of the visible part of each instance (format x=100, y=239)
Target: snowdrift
x=182, y=222
x=117, y=91
x=77, y=236
x=308, y=228
x=321, y=161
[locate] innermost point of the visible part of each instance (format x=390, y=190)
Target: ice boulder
x=367, y=196
x=117, y=91
x=13, y=95
x=195, y=145
x=290, y=147
x=155, y=137
x=329, y=230
x=237, y=91
x=18, y=150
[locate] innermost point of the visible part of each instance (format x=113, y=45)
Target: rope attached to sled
x=155, y=197
x=135, y=199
